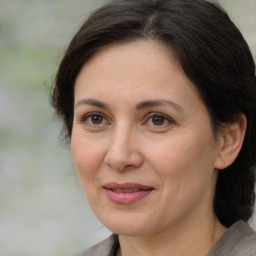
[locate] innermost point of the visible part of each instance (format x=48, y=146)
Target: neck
x=189, y=239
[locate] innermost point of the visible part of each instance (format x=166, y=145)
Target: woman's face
x=142, y=141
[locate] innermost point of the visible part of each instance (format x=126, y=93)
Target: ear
x=230, y=141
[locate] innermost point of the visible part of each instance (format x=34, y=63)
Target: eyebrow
x=155, y=103
x=92, y=102
x=139, y=106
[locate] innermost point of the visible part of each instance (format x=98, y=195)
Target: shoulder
x=239, y=240
x=107, y=247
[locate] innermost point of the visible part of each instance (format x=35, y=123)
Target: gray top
x=238, y=240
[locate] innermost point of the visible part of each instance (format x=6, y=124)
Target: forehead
x=149, y=46
x=129, y=61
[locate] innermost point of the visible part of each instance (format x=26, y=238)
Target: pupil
x=96, y=119
x=158, y=120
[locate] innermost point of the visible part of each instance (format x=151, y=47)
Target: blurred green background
x=42, y=209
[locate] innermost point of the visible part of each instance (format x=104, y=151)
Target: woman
x=158, y=101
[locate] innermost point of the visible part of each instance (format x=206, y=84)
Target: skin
x=116, y=139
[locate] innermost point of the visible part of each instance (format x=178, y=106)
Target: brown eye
x=158, y=120
x=95, y=119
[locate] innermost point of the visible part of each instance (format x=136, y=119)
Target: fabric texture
x=107, y=247
x=238, y=240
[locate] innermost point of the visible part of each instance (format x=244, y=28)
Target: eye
x=94, y=119
x=160, y=120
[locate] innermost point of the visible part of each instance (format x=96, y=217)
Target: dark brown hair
x=212, y=53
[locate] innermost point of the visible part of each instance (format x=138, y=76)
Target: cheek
x=186, y=161
x=85, y=153
x=88, y=158
x=186, y=174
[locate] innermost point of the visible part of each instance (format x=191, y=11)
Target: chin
x=126, y=230
x=128, y=225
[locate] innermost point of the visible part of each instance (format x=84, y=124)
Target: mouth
x=127, y=193
x=129, y=190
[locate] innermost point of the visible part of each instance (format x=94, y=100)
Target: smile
x=125, y=190
x=127, y=193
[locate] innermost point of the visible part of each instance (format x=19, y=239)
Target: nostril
x=123, y=160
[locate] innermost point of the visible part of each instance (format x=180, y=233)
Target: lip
x=126, y=193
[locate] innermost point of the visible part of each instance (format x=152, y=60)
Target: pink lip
x=119, y=197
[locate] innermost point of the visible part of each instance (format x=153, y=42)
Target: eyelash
x=164, y=117
x=85, y=118
x=149, y=117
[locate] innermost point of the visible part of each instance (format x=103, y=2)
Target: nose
x=123, y=152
